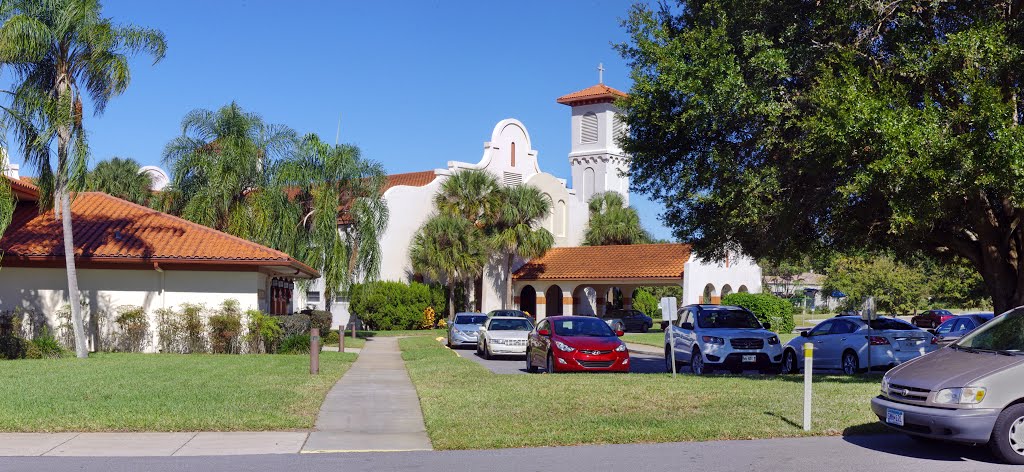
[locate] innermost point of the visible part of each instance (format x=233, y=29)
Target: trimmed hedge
x=393, y=305
x=767, y=308
x=645, y=302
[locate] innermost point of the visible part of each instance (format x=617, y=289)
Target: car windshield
x=1004, y=333
x=727, y=319
x=511, y=325
x=582, y=327
x=946, y=327
x=888, y=324
x=470, y=319
x=507, y=313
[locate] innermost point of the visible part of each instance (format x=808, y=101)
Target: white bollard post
x=808, y=369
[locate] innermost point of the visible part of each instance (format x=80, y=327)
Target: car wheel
x=644, y=328
x=1007, y=440
x=529, y=363
x=697, y=362
x=551, y=364
x=851, y=365
x=668, y=359
x=449, y=341
x=487, y=352
x=789, y=364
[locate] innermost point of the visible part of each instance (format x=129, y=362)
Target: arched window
x=709, y=294
x=588, y=128
x=726, y=289
x=743, y=289
x=588, y=183
x=560, y=218
x=549, y=219
x=513, y=160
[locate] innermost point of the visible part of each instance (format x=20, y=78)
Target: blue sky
x=417, y=83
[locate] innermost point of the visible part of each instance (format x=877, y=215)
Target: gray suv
x=970, y=392
x=715, y=337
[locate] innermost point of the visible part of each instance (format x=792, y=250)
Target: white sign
x=868, y=310
x=668, y=309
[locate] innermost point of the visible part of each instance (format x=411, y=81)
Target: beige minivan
x=970, y=392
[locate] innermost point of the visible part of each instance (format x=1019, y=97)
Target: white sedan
x=503, y=335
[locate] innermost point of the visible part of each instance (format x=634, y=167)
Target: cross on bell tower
x=600, y=72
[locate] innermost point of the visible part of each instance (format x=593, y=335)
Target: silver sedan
x=843, y=343
x=465, y=329
x=504, y=335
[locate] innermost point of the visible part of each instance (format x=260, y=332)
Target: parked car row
x=848, y=344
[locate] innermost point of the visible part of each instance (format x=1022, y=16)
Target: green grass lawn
x=657, y=338
x=166, y=392
x=362, y=336
x=465, y=406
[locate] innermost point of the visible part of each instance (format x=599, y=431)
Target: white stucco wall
x=740, y=271
x=44, y=290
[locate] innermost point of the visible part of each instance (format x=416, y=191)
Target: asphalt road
x=640, y=363
x=834, y=454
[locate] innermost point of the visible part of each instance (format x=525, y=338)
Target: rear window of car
x=507, y=313
x=470, y=319
x=511, y=325
x=892, y=325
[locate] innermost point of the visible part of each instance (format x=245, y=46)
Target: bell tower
x=598, y=163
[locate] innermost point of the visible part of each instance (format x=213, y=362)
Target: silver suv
x=710, y=337
x=969, y=392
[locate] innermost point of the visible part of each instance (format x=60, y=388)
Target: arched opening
x=560, y=217
x=743, y=289
x=513, y=154
x=709, y=294
x=589, y=181
x=584, y=300
x=726, y=289
x=528, y=300
x=553, y=301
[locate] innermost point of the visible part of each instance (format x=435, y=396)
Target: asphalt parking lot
x=640, y=363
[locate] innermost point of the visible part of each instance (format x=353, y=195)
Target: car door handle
x=842, y=339
x=819, y=342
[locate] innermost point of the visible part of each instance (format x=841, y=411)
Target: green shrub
x=193, y=330
x=264, y=332
x=292, y=325
x=332, y=337
x=393, y=305
x=44, y=347
x=65, y=329
x=321, y=320
x=226, y=328
x=295, y=344
x=12, y=347
x=767, y=307
x=133, y=329
x=168, y=330
x=646, y=303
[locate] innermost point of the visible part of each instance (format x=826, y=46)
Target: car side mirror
x=767, y=325
x=543, y=332
x=687, y=326
x=805, y=334
x=620, y=333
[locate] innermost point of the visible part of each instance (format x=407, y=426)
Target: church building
x=597, y=164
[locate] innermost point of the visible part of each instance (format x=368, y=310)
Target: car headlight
x=564, y=347
x=713, y=340
x=456, y=330
x=621, y=348
x=773, y=340
x=961, y=396
x=885, y=385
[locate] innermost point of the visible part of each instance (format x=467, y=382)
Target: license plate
x=911, y=343
x=749, y=358
x=894, y=416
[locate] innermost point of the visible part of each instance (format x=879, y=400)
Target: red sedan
x=575, y=344
x=931, y=318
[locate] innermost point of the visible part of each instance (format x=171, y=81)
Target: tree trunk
x=506, y=301
x=74, y=297
x=467, y=287
x=451, y=302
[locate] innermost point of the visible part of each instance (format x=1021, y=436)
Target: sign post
x=868, y=314
x=314, y=351
x=808, y=369
x=341, y=338
x=668, y=315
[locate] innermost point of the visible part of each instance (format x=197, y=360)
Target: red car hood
x=590, y=342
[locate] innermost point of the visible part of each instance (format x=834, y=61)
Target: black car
x=631, y=320
x=517, y=313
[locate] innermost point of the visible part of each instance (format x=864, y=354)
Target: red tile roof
x=108, y=229
x=637, y=261
x=596, y=94
x=23, y=188
x=411, y=179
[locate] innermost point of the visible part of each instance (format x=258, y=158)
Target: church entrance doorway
x=553, y=301
x=528, y=300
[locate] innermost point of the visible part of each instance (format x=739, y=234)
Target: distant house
x=127, y=254
x=806, y=290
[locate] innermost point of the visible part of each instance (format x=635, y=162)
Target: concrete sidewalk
x=374, y=407
x=150, y=444
x=645, y=349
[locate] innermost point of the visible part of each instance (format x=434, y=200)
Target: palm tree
x=472, y=195
x=448, y=248
x=6, y=203
x=122, y=179
x=217, y=162
x=516, y=233
x=341, y=211
x=58, y=51
x=612, y=222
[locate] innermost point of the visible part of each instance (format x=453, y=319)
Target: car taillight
x=935, y=340
x=878, y=340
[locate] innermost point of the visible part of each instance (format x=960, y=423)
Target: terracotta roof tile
x=411, y=179
x=596, y=94
x=23, y=188
x=108, y=229
x=643, y=261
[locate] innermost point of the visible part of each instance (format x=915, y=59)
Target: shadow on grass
x=784, y=419
x=902, y=445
